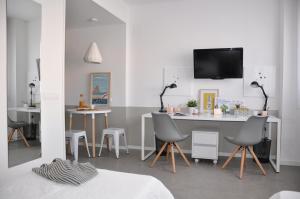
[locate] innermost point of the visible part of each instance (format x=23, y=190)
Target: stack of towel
x=67, y=172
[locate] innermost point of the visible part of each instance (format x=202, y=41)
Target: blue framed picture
x=100, y=89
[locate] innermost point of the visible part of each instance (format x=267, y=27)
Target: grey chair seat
x=232, y=140
x=16, y=125
x=174, y=139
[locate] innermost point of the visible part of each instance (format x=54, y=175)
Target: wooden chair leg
x=256, y=160
x=182, y=154
x=173, y=158
x=10, y=135
x=158, y=155
x=242, y=162
x=231, y=156
x=22, y=136
x=168, y=151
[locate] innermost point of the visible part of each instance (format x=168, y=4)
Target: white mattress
x=106, y=185
x=286, y=195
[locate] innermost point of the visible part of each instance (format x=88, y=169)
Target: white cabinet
x=205, y=144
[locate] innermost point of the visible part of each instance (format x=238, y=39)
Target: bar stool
x=115, y=132
x=74, y=136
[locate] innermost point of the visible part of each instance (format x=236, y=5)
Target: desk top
x=210, y=117
x=25, y=109
x=96, y=111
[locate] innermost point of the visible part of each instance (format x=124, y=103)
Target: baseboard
x=222, y=154
x=290, y=163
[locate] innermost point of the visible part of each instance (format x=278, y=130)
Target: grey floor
x=203, y=180
x=18, y=153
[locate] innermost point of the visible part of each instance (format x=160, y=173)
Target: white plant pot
x=193, y=110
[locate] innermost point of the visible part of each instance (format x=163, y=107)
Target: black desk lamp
x=31, y=85
x=162, y=108
x=255, y=84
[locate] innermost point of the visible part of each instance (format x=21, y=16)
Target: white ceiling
x=78, y=13
x=26, y=10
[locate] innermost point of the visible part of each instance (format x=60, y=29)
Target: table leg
x=276, y=165
x=143, y=156
x=70, y=122
x=106, y=137
x=93, y=136
x=84, y=122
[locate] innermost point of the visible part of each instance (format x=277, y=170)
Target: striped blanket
x=67, y=172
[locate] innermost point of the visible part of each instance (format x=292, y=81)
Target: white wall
x=111, y=40
x=34, y=40
x=17, y=61
x=164, y=34
x=290, y=112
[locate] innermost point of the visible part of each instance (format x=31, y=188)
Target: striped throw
x=67, y=172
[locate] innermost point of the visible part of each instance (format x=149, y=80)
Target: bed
x=106, y=185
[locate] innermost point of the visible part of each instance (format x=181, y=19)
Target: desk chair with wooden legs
x=167, y=131
x=16, y=127
x=249, y=135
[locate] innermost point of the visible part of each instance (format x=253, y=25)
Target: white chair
x=115, y=132
x=74, y=136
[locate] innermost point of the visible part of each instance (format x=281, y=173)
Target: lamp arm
x=266, y=98
x=161, y=101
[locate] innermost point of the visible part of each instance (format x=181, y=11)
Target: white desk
x=223, y=118
x=92, y=113
x=26, y=110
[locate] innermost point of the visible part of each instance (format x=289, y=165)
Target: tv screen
x=218, y=63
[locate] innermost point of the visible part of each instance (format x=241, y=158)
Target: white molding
x=290, y=163
x=222, y=154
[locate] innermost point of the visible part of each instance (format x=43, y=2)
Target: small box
x=205, y=144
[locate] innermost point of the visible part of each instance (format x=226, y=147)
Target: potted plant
x=192, y=106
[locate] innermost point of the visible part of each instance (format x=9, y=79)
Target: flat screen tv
x=218, y=63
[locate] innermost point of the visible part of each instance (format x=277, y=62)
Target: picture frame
x=100, y=91
x=207, y=99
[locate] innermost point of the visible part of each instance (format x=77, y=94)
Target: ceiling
x=78, y=13
x=23, y=9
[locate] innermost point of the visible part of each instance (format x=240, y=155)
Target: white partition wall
x=52, y=87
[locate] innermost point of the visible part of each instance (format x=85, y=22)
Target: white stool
x=74, y=136
x=115, y=132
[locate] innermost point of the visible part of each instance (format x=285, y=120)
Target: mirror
x=23, y=81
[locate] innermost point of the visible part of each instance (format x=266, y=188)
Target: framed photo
x=207, y=99
x=100, y=89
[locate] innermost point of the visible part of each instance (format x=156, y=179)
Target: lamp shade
x=93, y=54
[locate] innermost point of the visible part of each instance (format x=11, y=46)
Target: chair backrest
x=252, y=131
x=165, y=127
x=10, y=122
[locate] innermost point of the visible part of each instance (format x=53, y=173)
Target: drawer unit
x=205, y=144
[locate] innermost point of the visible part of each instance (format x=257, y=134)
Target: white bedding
x=106, y=185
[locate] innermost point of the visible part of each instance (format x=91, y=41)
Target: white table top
x=96, y=111
x=25, y=109
x=211, y=117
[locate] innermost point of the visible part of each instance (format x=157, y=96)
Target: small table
x=92, y=113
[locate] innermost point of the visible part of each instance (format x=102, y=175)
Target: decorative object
x=82, y=103
x=31, y=85
x=100, y=89
x=93, y=54
x=207, y=98
x=171, y=86
x=255, y=84
x=263, y=75
x=192, y=104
